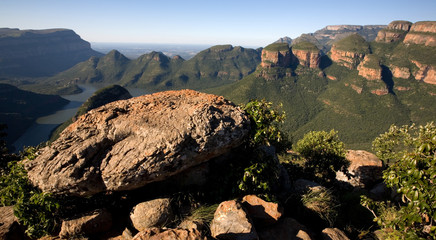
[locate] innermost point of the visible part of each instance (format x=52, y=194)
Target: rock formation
x=41, y=52
x=365, y=169
x=400, y=72
x=307, y=54
x=276, y=55
x=395, y=31
x=126, y=144
x=99, y=221
x=153, y=213
x=423, y=33
x=169, y=234
x=231, y=222
x=350, y=51
x=370, y=68
x=425, y=73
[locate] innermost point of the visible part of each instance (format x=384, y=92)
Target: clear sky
x=247, y=23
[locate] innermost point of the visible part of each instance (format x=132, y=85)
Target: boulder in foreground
x=127, y=144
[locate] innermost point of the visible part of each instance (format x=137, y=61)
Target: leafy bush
x=324, y=154
x=260, y=176
x=264, y=122
x=412, y=151
x=35, y=210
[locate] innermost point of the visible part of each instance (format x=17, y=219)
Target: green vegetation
x=307, y=46
x=412, y=153
x=36, y=210
x=322, y=202
x=372, y=61
x=324, y=154
x=264, y=122
x=353, y=43
x=275, y=47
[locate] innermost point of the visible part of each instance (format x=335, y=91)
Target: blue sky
x=246, y=23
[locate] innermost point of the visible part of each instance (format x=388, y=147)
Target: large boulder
x=127, y=144
x=287, y=228
x=333, y=234
x=153, y=213
x=365, y=169
x=232, y=222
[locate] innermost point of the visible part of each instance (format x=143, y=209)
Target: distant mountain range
x=355, y=79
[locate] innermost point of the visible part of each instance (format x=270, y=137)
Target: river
x=41, y=129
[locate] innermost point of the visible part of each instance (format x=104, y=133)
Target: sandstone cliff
x=350, y=51
x=395, y=31
x=423, y=33
x=276, y=55
x=307, y=54
x=370, y=68
x=425, y=73
x=41, y=52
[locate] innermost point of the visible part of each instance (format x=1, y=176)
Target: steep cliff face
x=307, y=54
x=425, y=73
x=370, y=68
x=41, y=52
x=276, y=55
x=350, y=51
x=395, y=31
x=400, y=72
x=423, y=33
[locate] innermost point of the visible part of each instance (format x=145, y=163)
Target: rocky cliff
x=422, y=33
x=395, y=31
x=307, y=54
x=276, y=55
x=370, y=68
x=350, y=51
x=41, y=52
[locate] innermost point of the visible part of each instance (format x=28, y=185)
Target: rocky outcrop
x=276, y=55
x=370, y=68
x=98, y=221
x=231, y=222
x=394, y=32
x=400, y=72
x=153, y=213
x=41, y=52
x=423, y=33
x=350, y=51
x=307, y=54
x=286, y=39
x=169, y=234
x=127, y=144
x=425, y=73
x=365, y=169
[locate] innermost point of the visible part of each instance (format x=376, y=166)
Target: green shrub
x=324, y=154
x=264, y=122
x=35, y=210
x=412, y=153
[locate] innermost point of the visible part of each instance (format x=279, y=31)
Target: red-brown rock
x=153, y=213
x=423, y=33
x=365, y=169
x=310, y=59
x=261, y=212
x=231, y=222
x=127, y=144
